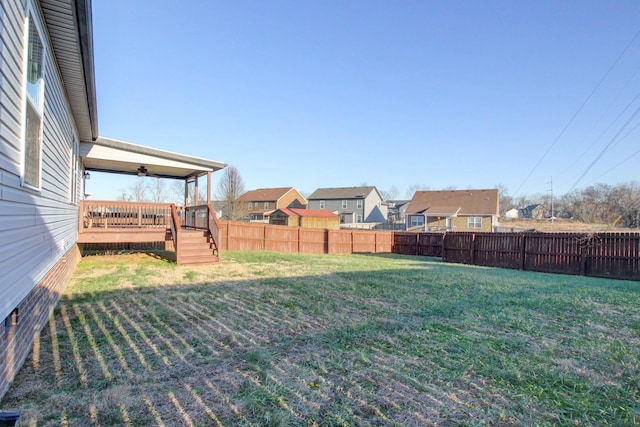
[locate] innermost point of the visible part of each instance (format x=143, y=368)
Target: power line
x=617, y=165
x=605, y=149
x=624, y=110
x=555, y=141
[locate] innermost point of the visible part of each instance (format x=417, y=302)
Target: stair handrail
x=214, y=229
x=175, y=226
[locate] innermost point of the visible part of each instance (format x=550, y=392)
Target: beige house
x=261, y=203
x=453, y=210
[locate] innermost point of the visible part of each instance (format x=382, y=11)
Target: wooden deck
x=137, y=222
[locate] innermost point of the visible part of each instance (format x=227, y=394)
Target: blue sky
x=310, y=94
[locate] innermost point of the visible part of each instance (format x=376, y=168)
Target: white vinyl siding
x=36, y=228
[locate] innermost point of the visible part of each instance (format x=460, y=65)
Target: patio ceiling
x=114, y=156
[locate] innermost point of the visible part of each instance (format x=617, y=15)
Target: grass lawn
x=293, y=340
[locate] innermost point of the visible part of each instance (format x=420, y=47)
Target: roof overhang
x=114, y=156
x=443, y=214
x=70, y=28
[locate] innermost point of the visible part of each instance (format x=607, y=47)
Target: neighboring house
x=534, y=211
x=260, y=203
x=354, y=205
x=307, y=218
x=453, y=210
x=220, y=208
x=48, y=140
x=512, y=213
x=397, y=211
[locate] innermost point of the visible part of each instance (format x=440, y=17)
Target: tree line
x=597, y=204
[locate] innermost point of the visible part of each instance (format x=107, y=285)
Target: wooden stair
x=196, y=247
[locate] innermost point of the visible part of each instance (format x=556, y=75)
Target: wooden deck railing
x=175, y=226
x=117, y=222
x=104, y=215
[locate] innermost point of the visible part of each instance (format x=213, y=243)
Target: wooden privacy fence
x=257, y=237
x=615, y=255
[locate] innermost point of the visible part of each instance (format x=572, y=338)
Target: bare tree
x=230, y=188
x=123, y=195
x=157, y=188
x=138, y=190
x=416, y=187
x=391, y=194
x=505, y=201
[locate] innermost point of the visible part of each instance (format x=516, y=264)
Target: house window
x=321, y=204
x=75, y=171
x=250, y=205
x=358, y=218
x=11, y=321
x=345, y=203
x=474, y=222
x=359, y=203
x=32, y=166
x=266, y=205
x=416, y=220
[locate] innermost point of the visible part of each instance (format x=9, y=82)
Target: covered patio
x=192, y=228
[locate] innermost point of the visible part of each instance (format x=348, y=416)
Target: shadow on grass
x=406, y=342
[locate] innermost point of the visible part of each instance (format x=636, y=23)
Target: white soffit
x=114, y=156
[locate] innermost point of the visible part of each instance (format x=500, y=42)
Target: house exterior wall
x=292, y=199
x=37, y=227
x=461, y=223
x=512, y=213
x=34, y=312
x=370, y=210
x=374, y=210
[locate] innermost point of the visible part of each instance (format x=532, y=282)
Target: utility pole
x=551, y=190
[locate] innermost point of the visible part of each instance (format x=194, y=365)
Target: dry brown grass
x=287, y=340
x=559, y=225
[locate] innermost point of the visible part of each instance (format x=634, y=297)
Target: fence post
x=523, y=251
x=352, y=242
x=473, y=249
x=583, y=255
x=444, y=251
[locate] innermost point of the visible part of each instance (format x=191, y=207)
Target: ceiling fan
x=142, y=171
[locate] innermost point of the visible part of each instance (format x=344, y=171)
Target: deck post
x=186, y=193
x=195, y=191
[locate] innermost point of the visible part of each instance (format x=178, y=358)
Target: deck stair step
x=196, y=247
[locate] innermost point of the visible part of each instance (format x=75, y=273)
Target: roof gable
x=460, y=202
x=342, y=193
x=265, y=194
